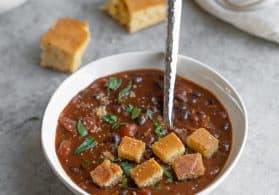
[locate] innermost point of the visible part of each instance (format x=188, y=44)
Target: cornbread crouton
x=137, y=14
x=63, y=44
x=202, y=141
x=131, y=149
x=168, y=148
x=147, y=173
x=188, y=166
x=106, y=174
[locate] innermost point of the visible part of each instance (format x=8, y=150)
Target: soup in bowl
x=103, y=130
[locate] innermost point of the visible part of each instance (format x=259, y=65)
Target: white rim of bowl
x=76, y=189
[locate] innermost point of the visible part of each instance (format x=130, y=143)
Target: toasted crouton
x=137, y=14
x=147, y=173
x=188, y=166
x=106, y=174
x=202, y=141
x=131, y=149
x=64, y=43
x=168, y=148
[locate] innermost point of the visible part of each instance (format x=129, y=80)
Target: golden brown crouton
x=63, y=44
x=131, y=149
x=137, y=14
x=168, y=148
x=147, y=173
x=188, y=166
x=106, y=174
x=202, y=141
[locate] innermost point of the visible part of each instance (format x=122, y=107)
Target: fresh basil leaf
x=126, y=167
x=129, y=108
x=168, y=174
x=159, y=130
x=135, y=113
x=113, y=83
x=110, y=118
x=81, y=129
x=118, y=125
x=124, y=92
x=149, y=114
x=88, y=143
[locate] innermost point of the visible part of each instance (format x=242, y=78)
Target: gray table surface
x=249, y=63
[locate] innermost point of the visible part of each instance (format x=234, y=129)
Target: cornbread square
x=137, y=14
x=106, y=174
x=203, y=142
x=188, y=166
x=63, y=44
x=147, y=173
x=168, y=148
x=131, y=149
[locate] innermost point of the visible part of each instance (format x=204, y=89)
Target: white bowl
x=187, y=67
x=6, y=5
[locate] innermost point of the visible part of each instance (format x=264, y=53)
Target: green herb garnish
x=168, y=174
x=110, y=118
x=88, y=143
x=159, y=129
x=118, y=125
x=129, y=108
x=124, y=182
x=86, y=163
x=113, y=83
x=157, y=186
x=81, y=129
x=116, y=159
x=149, y=114
x=124, y=92
x=126, y=167
x=135, y=113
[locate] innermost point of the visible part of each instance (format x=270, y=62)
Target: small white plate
x=187, y=67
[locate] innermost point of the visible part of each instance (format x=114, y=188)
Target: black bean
x=226, y=147
x=194, y=101
x=75, y=170
x=159, y=84
x=181, y=97
x=98, y=96
x=214, y=171
x=196, y=94
x=141, y=119
x=137, y=79
x=116, y=139
x=226, y=126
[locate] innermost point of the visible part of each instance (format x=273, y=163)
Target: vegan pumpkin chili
x=129, y=104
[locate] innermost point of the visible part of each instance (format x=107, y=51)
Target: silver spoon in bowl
x=172, y=44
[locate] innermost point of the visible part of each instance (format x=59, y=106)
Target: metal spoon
x=174, y=15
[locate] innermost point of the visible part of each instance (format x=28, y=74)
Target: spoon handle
x=173, y=28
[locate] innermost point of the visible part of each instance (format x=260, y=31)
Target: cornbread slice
x=63, y=44
x=106, y=174
x=202, y=141
x=137, y=14
x=131, y=149
x=147, y=173
x=168, y=148
x=188, y=166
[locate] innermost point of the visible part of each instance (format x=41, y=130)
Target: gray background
x=249, y=63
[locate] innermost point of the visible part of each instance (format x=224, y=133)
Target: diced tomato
x=67, y=123
x=64, y=148
x=128, y=130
